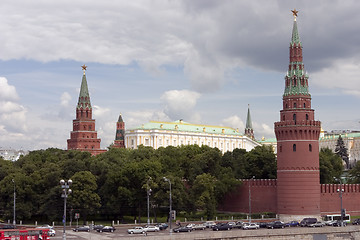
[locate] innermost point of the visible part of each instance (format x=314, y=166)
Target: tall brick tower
x=297, y=134
x=120, y=133
x=83, y=137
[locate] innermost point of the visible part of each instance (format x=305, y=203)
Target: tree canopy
x=114, y=184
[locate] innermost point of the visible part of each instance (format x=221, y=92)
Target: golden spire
x=84, y=68
x=294, y=12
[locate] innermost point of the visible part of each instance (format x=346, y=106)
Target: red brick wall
x=264, y=198
x=330, y=200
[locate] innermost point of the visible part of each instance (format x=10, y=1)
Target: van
x=307, y=221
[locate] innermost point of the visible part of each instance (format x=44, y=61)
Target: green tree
x=354, y=173
x=204, y=194
x=341, y=151
x=84, y=196
x=330, y=166
x=261, y=163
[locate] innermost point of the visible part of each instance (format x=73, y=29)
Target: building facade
x=83, y=137
x=163, y=134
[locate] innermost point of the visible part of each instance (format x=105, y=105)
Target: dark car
x=162, y=226
x=182, y=229
x=82, y=229
x=338, y=223
x=222, y=226
x=96, y=227
x=106, y=229
x=238, y=224
x=263, y=224
x=356, y=221
x=292, y=224
x=276, y=224
x=307, y=221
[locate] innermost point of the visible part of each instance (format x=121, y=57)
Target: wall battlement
x=259, y=182
x=332, y=188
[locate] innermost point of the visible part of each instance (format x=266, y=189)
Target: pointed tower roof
x=248, y=119
x=84, y=96
x=296, y=76
x=120, y=118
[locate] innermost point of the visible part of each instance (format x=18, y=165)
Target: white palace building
x=163, y=134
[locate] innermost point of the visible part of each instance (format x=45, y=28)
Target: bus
x=335, y=217
x=24, y=234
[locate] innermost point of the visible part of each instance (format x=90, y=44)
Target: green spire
x=248, y=119
x=295, y=38
x=120, y=118
x=84, y=97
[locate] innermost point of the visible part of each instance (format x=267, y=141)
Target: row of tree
x=114, y=184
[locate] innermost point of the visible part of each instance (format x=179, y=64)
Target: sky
x=203, y=61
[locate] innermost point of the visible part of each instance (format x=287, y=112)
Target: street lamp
x=65, y=192
x=250, y=198
x=148, y=190
x=168, y=180
x=340, y=191
x=14, y=220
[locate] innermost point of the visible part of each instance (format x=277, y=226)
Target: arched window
x=294, y=118
x=304, y=105
x=286, y=106
x=310, y=148
x=283, y=117
x=307, y=117
x=294, y=104
x=294, y=147
x=280, y=149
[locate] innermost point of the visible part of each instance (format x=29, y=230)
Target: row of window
x=294, y=148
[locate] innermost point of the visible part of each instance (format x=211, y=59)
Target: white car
x=151, y=229
x=247, y=226
x=51, y=232
x=136, y=230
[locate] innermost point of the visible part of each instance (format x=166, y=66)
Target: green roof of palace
x=188, y=127
x=343, y=135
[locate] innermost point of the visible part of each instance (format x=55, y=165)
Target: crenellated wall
x=330, y=198
x=264, y=198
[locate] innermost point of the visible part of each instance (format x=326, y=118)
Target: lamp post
x=340, y=191
x=168, y=180
x=14, y=213
x=250, y=198
x=65, y=192
x=148, y=190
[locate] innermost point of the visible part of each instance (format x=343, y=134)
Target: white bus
x=335, y=217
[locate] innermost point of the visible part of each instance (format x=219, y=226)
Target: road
x=121, y=233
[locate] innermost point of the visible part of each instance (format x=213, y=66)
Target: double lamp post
x=65, y=192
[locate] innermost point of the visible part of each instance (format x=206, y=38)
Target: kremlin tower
x=83, y=137
x=249, y=131
x=297, y=134
x=120, y=134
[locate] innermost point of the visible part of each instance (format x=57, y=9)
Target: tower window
x=284, y=118
x=304, y=105
x=310, y=148
x=294, y=118
x=295, y=105
x=294, y=147
x=307, y=116
x=280, y=149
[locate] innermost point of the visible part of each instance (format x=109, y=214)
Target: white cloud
x=234, y=122
x=7, y=92
x=65, y=99
x=343, y=74
x=180, y=104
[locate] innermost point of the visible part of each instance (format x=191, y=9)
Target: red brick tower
x=120, y=134
x=83, y=137
x=297, y=134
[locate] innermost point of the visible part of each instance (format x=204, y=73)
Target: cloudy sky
x=202, y=61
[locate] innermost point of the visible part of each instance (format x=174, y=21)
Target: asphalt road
x=121, y=233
